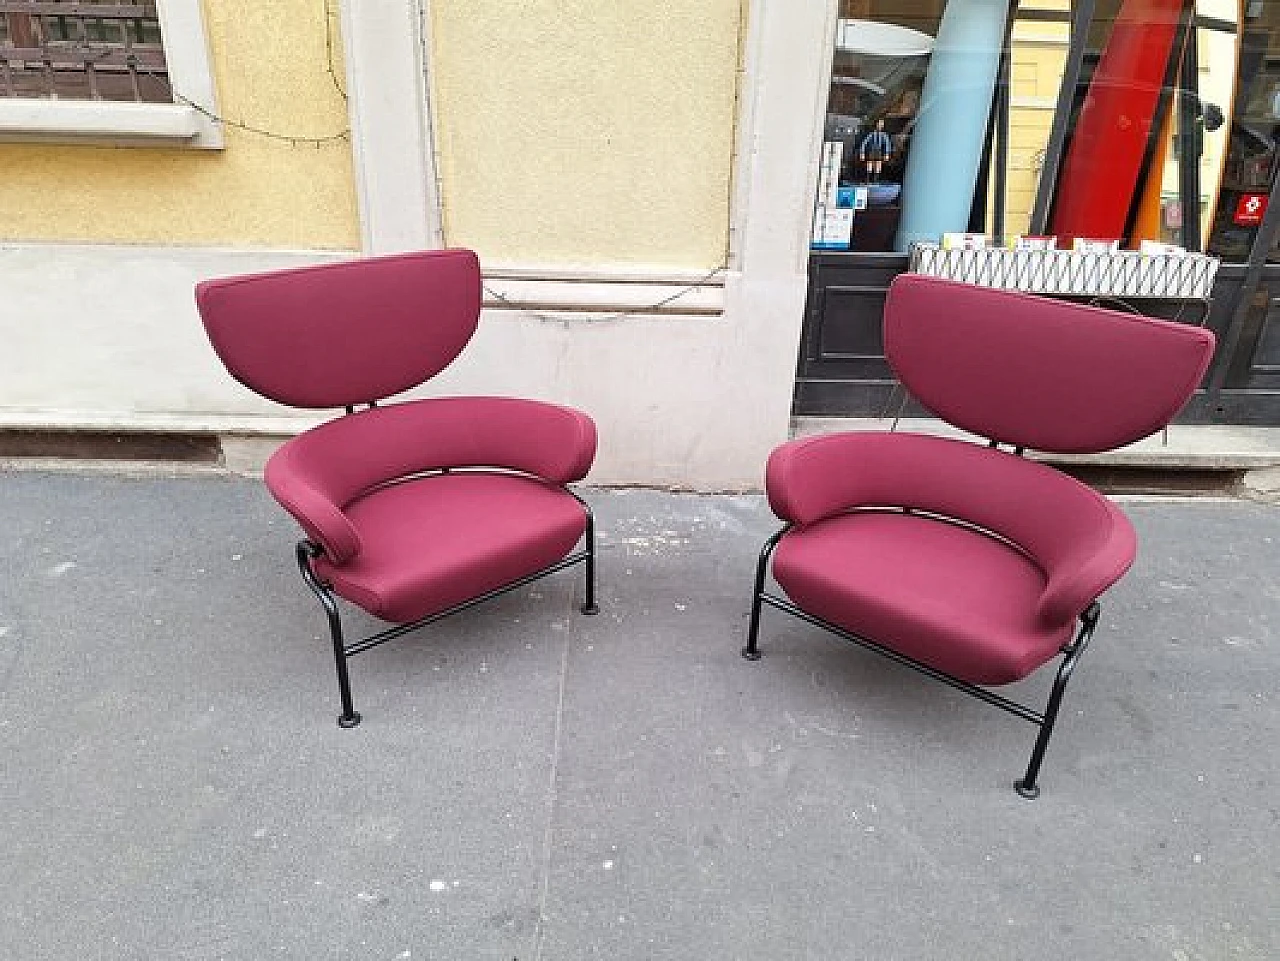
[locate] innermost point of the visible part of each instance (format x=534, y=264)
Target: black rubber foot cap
x=348, y=722
x=1030, y=793
x=751, y=655
x=590, y=608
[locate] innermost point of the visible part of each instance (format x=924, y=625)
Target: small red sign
x=1249, y=209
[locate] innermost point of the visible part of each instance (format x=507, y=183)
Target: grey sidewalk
x=174, y=785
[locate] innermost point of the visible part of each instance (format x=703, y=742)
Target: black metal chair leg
x=306, y=551
x=1027, y=787
x=589, y=605
x=349, y=716
x=751, y=652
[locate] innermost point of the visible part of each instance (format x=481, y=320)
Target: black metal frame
x=1025, y=786
x=308, y=550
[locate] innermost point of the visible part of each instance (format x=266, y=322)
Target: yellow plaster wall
x=586, y=132
x=270, y=66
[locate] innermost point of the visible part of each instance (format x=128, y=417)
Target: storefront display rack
x=1116, y=274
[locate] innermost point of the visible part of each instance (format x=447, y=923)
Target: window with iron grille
x=83, y=50
x=121, y=71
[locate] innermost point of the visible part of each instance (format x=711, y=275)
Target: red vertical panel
x=1104, y=161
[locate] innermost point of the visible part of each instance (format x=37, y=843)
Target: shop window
x=106, y=71
x=1177, y=177
x=1250, y=164
x=882, y=52
x=967, y=97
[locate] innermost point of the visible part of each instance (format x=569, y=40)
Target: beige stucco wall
x=270, y=67
x=580, y=132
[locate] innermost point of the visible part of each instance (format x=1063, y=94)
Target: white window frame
x=125, y=124
x=779, y=136
x=391, y=137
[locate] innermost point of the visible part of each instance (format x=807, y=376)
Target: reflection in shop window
x=1161, y=85
x=882, y=52
x=1254, y=122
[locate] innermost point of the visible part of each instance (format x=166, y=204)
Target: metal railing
x=72, y=49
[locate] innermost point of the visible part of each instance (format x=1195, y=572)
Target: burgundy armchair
x=967, y=562
x=415, y=510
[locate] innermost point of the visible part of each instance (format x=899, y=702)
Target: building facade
x=639, y=181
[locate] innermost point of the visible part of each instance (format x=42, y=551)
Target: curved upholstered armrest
x=320, y=517
x=318, y=473
x=1078, y=538
x=817, y=477
x=1080, y=574
x=361, y=451
x=547, y=440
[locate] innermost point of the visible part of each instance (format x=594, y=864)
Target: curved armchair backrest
x=344, y=333
x=347, y=457
x=1036, y=372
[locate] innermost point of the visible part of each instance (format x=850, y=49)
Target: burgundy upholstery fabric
x=316, y=475
x=344, y=333
x=958, y=601
x=1079, y=541
x=1038, y=372
x=399, y=538
x=430, y=543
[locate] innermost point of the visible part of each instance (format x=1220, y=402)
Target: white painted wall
x=109, y=335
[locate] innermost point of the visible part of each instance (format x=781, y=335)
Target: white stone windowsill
x=107, y=122
x=597, y=293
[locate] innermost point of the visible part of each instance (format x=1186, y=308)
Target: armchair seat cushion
x=951, y=597
x=429, y=543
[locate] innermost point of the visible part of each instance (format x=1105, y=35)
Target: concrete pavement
x=529, y=783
